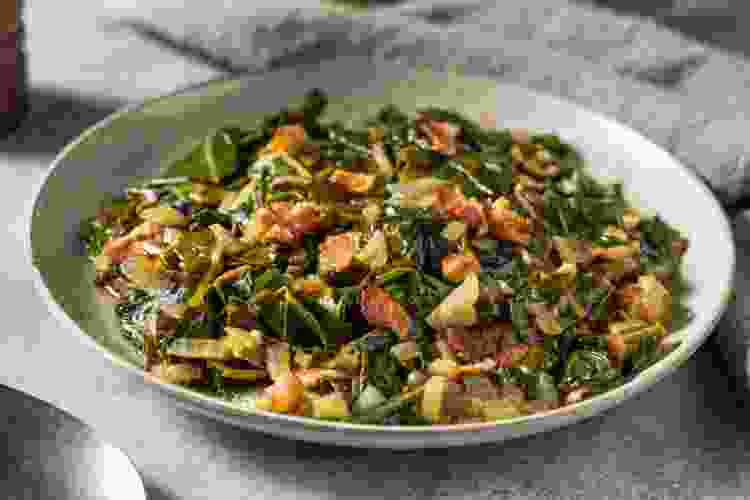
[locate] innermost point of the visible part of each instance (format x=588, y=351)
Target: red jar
x=13, y=78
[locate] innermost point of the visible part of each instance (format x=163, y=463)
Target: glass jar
x=13, y=76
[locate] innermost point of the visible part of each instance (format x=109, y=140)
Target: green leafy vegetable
x=333, y=331
x=498, y=141
x=311, y=244
x=646, y=354
x=399, y=410
x=220, y=153
x=472, y=187
x=385, y=372
x=540, y=385
x=216, y=381
x=94, y=236
x=509, y=376
x=656, y=244
x=270, y=280
x=520, y=318
x=585, y=365
x=496, y=174
x=240, y=291
x=586, y=214
x=594, y=299
x=272, y=319
x=275, y=167
x=140, y=306
x=207, y=216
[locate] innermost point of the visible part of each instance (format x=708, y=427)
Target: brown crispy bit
x=380, y=309
x=480, y=341
x=454, y=400
x=482, y=387
x=679, y=247
x=578, y=394
x=337, y=252
x=512, y=392
x=491, y=295
x=456, y=267
x=539, y=406
x=242, y=315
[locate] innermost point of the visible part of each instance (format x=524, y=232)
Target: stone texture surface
x=684, y=439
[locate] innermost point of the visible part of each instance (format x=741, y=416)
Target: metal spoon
x=50, y=454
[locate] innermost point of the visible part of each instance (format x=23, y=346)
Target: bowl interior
x=140, y=142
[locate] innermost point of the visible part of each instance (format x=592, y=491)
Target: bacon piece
x=118, y=249
x=380, y=309
x=449, y=199
x=287, y=137
x=507, y=225
x=509, y=357
x=457, y=267
x=452, y=202
x=352, y=182
x=304, y=218
x=443, y=136
x=285, y=223
x=337, y=252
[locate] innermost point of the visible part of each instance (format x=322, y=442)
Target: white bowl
x=141, y=140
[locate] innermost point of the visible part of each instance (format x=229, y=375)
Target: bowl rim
x=224, y=410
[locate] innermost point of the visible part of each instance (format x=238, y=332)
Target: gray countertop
x=685, y=438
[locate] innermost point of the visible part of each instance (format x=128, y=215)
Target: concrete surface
x=684, y=439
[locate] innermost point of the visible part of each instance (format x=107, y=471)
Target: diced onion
x=458, y=308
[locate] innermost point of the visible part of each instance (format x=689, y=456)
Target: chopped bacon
x=264, y=221
x=507, y=225
x=617, y=348
x=287, y=137
x=303, y=219
x=443, y=136
x=310, y=377
x=118, y=249
x=450, y=200
x=456, y=341
x=380, y=309
x=352, y=182
x=472, y=212
x=457, y=267
x=285, y=223
x=509, y=357
x=282, y=209
x=478, y=342
x=280, y=233
x=337, y=252
x=130, y=245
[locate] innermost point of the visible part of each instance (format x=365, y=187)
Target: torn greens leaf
x=140, y=306
x=207, y=216
x=385, y=372
x=540, y=385
x=585, y=365
x=270, y=280
x=646, y=354
x=95, y=235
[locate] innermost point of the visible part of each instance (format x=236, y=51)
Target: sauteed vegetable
x=421, y=270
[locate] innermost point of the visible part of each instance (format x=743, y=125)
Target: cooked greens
x=421, y=270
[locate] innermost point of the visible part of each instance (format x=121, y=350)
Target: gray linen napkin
x=690, y=98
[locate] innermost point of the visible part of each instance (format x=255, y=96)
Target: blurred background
x=720, y=22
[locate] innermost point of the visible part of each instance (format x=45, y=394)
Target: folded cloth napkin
x=690, y=98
